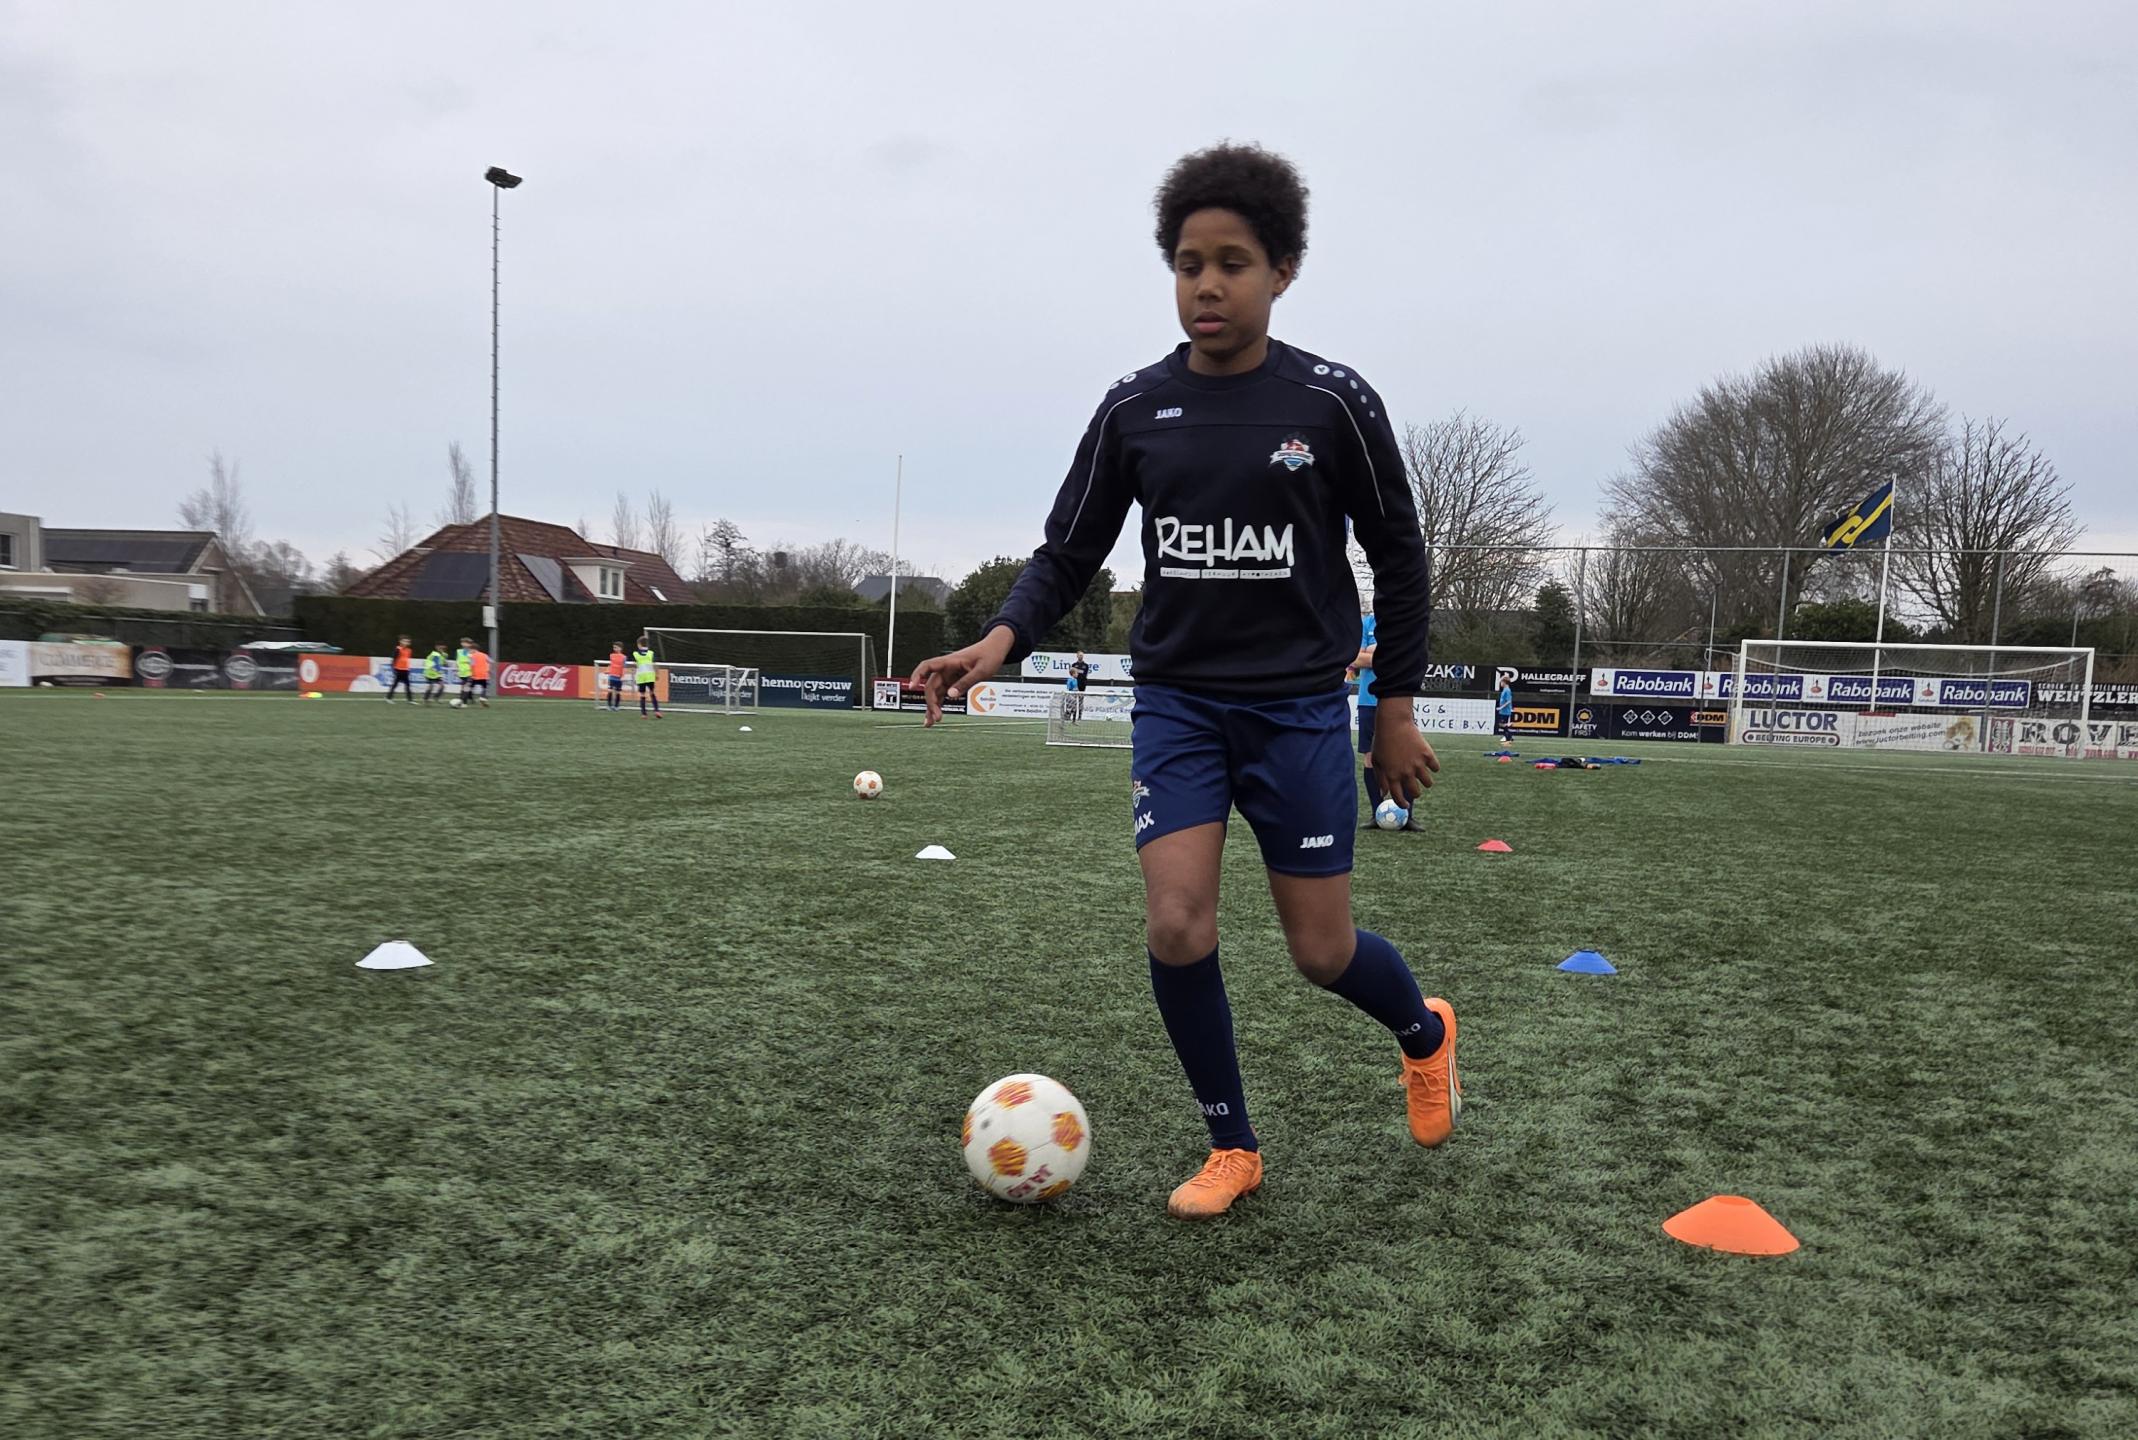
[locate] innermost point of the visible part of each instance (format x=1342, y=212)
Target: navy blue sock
x=1373, y=790
x=1379, y=983
x=1198, y=1018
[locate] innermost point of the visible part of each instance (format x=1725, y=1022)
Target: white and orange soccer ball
x=868, y=784
x=1026, y=1139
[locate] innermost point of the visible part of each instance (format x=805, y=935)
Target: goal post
x=1091, y=717
x=1840, y=694
x=815, y=658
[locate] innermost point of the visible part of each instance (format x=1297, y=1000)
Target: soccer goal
x=1090, y=717
x=715, y=689
x=815, y=663
x=1843, y=694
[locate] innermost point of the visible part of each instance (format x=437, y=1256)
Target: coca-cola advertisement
x=538, y=682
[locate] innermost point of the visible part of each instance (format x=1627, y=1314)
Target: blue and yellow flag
x=1870, y=520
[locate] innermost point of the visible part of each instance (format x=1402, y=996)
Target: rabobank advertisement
x=1645, y=684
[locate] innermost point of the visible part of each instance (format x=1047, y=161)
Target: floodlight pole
x=890, y=639
x=500, y=180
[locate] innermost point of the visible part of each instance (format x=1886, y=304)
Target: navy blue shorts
x=1285, y=763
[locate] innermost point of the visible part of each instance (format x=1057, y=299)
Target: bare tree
x=1763, y=459
x=220, y=506
x=586, y=531
x=837, y=564
x=1987, y=491
x=663, y=537
x=1634, y=602
x=97, y=589
x=726, y=563
x=1485, y=521
x=339, y=573
x=460, y=506
x=623, y=523
x=399, y=534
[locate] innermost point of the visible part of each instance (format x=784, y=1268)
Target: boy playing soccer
x=434, y=673
x=1246, y=455
x=463, y=668
x=642, y=662
x=402, y=658
x=616, y=674
x=479, y=675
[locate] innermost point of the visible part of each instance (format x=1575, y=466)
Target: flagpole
x=1885, y=568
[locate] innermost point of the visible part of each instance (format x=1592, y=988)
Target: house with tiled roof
x=538, y=564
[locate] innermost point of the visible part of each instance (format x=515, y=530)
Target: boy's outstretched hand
x=958, y=671
x=1402, y=761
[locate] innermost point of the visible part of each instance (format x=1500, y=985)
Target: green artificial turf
x=665, y=1144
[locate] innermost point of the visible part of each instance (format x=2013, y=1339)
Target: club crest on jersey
x=1293, y=454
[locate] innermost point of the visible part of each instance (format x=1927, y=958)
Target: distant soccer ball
x=1026, y=1139
x=1390, y=816
x=868, y=784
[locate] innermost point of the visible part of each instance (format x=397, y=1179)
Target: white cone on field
x=935, y=852
x=394, y=955
x=745, y=729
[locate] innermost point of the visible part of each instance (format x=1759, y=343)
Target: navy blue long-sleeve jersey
x=1245, y=482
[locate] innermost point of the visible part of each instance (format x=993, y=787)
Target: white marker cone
x=745, y=729
x=935, y=852
x=394, y=955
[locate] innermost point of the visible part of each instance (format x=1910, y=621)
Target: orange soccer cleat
x=1224, y=1178
x=1432, y=1091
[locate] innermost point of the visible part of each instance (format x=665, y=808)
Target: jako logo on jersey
x=1317, y=842
x=1293, y=454
x=1209, y=544
x=1172, y=414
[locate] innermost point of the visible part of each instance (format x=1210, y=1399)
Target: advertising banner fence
x=2104, y=739
x=14, y=663
x=67, y=664
x=887, y=693
x=1054, y=665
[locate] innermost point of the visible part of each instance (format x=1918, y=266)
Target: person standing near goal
x=462, y=668
x=616, y=675
x=1246, y=456
x=648, y=675
x=1079, y=682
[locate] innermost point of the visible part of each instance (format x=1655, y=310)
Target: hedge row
x=26, y=618
x=580, y=632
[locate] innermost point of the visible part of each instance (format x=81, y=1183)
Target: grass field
x=666, y=1142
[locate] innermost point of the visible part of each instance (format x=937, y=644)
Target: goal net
x=814, y=662
x=1090, y=717
x=1849, y=695
x=716, y=689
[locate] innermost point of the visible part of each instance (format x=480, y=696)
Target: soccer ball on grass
x=1026, y=1139
x=1390, y=816
x=868, y=784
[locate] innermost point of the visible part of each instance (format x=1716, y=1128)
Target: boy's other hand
x=958, y=671
x=1402, y=760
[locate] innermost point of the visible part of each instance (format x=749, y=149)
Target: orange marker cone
x=1506, y=760
x=1731, y=1224
x=1496, y=847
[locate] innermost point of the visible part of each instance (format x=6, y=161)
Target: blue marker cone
x=1587, y=962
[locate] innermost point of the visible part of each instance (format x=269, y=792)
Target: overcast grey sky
x=763, y=248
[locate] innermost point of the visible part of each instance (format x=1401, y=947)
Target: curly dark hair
x=1260, y=186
